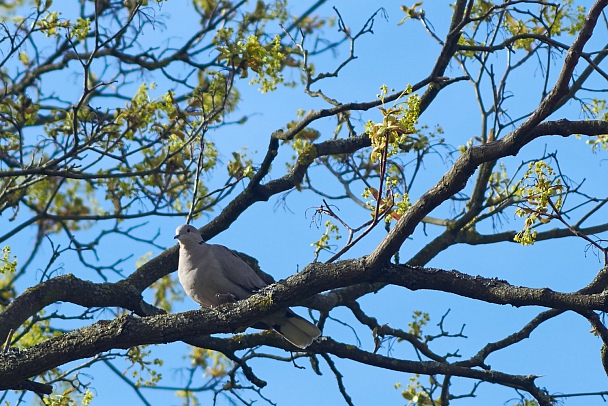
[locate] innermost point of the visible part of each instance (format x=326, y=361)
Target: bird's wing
x=236, y=271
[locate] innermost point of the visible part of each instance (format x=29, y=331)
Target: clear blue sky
x=566, y=357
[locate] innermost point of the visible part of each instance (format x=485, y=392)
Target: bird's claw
x=225, y=298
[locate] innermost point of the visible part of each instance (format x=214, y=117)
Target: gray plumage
x=212, y=275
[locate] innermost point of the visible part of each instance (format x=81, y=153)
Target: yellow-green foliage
x=240, y=166
x=215, y=364
x=167, y=291
x=597, y=110
x=301, y=142
x=139, y=357
x=8, y=262
x=392, y=135
x=248, y=53
x=419, y=320
x=547, y=19
x=19, y=110
x=414, y=12
x=81, y=28
x=500, y=186
x=52, y=25
x=323, y=244
x=398, y=122
x=211, y=97
x=67, y=398
x=414, y=393
x=8, y=266
x=541, y=195
x=527, y=402
x=394, y=204
x=34, y=331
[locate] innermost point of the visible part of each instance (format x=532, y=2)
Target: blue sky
x=562, y=351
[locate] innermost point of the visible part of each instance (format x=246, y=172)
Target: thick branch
x=255, y=192
x=70, y=289
x=456, y=178
x=490, y=290
x=128, y=331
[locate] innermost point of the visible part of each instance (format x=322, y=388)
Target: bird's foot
x=225, y=298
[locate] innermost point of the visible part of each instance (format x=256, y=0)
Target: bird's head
x=187, y=233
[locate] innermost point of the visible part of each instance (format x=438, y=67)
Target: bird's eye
x=188, y=230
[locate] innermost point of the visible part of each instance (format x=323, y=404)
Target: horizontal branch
x=128, y=331
x=427, y=367
x=491, y=290
x=69, y=289
x=472, y=237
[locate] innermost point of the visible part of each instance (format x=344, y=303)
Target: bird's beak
x=177, y=236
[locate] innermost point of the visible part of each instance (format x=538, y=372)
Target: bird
x=212, y=275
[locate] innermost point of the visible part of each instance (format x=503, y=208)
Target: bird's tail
x=295, y=329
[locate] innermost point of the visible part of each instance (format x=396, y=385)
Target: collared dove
x=212, y=275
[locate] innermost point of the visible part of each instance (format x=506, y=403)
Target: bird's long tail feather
x=295, y=329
